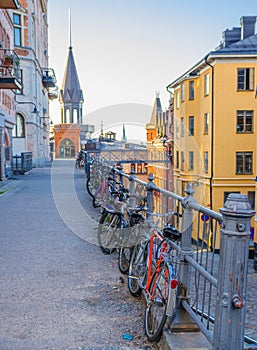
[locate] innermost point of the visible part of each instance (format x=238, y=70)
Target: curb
x=8, y=185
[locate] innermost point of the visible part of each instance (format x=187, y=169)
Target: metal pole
x=120, y=168
x=150, y=188
x=183, y=321
x=232, y=281
x=132, y=199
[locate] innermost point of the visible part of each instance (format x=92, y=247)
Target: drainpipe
x=212, y=128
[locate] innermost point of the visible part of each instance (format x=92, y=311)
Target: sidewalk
x=9, y=184
x=59, y=292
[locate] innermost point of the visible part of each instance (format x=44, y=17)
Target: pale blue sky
x=125, y=50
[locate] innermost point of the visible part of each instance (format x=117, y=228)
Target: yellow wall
x=227, y=100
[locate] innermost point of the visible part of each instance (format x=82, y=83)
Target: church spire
x=70, y=47
x=71, y=95
x=124, y=138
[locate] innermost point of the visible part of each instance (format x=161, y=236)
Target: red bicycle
x=153, y=271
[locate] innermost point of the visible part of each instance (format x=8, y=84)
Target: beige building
x=31, y=133
x=8, y=80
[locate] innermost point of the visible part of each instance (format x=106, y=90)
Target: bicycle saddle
x=171, y=232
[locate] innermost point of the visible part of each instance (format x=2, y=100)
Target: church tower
x=71, y=96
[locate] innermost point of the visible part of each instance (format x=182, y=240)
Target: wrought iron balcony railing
x=48, y=78
x=10, y=72
x=53, y=93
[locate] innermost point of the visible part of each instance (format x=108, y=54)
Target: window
x=244, y=123
x=19, y=129
x=191, y=160
x=177, y=130
x=182, y=126
x=177, y=159
x=244, y=162
x=19, y=75
x=206, y=123
x=251, y=197
x=17, y=29
x=245, y=78
x=226, y=194
x=206, y=84
x=191, y=126
x=177, y=100
x=183, y=92
x=182, y=161
x=191, y=90
x=206, y=161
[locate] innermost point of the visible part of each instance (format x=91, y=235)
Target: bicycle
x=119, y=226
x=80, y=161
x=153, y=270
x=97, y=184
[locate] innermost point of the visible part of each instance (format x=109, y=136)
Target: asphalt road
x=58, y=291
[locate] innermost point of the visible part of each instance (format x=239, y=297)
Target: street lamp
x=35, y=110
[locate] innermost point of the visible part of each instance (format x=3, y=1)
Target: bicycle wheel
x=155, y=313
x=96, y=204
x=129, y=238
x=107, y=231
x=138, y=267
x=124, y=259
x=89, y=187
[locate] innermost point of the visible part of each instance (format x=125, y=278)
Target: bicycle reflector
x=173, y=284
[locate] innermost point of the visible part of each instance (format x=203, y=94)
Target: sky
x=126, y=50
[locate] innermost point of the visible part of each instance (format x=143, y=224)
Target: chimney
x=247, y=26
x=231, y=36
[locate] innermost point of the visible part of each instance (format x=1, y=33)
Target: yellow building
x=215, y=111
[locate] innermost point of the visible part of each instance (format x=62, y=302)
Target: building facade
x=159, y=132
x=215, y=120
x=39, y=83
x=9, y=80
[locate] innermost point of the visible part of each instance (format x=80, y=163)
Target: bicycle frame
x=155, y=234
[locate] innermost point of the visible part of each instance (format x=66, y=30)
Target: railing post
x=120, y=168
x=183, y=322
x=22, y=163
x=132, y=199
x=87, y=164
x=150, y=188
x=232, y=273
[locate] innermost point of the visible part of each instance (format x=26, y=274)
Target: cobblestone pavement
x=58, y=291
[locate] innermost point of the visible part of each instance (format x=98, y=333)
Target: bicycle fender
x=172, y=299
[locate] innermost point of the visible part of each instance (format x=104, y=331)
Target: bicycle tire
x=125, y=252
x=108, y=224
x=124, y=259
x=138, y=267
x=155, y=312
x=96, y=204
x=89, y=187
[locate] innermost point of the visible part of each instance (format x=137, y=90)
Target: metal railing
x=22, y=163
x=212, y=284
x=9, y=64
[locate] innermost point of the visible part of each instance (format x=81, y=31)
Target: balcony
x=53, y=93
x=48, y=78
x=9, y=4
x=10, y=72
